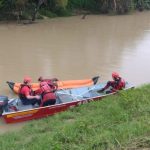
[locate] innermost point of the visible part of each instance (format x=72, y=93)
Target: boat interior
x=63, y=96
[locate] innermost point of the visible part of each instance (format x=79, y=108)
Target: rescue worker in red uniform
x=26, y=94
x=47, y=93
x=117, y=84
x=51, y=82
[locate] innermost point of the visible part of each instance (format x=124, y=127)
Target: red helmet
x=115, y=75
x=27, y=79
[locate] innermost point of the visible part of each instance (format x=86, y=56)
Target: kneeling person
x=115, y=85
x=26, y=94
x=51, y=82
x=47, y=94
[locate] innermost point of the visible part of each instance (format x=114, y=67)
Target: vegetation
x=118, y=122
x=30, y=9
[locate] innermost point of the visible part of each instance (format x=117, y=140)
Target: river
x=75, y=48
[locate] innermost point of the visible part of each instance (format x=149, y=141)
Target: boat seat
x=21, y=106
x=25, y=107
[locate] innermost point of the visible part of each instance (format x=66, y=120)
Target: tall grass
x=117, y=122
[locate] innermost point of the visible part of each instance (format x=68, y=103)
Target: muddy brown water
x=75, y=48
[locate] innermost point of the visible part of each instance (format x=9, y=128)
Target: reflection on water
x=73, y=48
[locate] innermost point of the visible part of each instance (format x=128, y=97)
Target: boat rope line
x=74, y=96
x=88, y=90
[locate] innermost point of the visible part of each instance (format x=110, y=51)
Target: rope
x=76, y=96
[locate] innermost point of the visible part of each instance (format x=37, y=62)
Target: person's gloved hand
x=38, y=97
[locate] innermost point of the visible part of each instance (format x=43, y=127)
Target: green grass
x=117, y=122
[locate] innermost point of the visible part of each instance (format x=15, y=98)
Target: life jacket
x=21, y=95
x=47, y=93
x=118, y=84
x=115, y=85
x=51, y=84
x=45, y=89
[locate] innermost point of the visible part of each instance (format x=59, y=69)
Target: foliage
x=61, y=3
x=48, y=13
x=28, y=8
x=82, y=4
x=60, y=11
x=142, y=4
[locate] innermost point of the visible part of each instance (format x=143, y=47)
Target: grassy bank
x=118, y=122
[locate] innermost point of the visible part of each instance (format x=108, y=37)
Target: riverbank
x=118, y=122
x=20, y=10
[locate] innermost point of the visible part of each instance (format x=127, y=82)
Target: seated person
x=47, y=93
x=117, y=84
x=51, y=82
x=26, y=94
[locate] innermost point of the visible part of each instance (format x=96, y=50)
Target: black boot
x=101, y=90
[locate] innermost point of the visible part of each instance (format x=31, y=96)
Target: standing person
x=117, y=84
x=51, y=82
x=26, y=94
x=47, y=93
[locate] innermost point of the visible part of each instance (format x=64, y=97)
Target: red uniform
x=112, y=86
x=115, y=85
x=26, y=90
x=48, y=95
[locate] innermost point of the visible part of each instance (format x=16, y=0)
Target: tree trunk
x=40, y=2
x=115, y=5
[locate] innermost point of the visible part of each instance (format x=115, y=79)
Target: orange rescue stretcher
x=61, y=84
